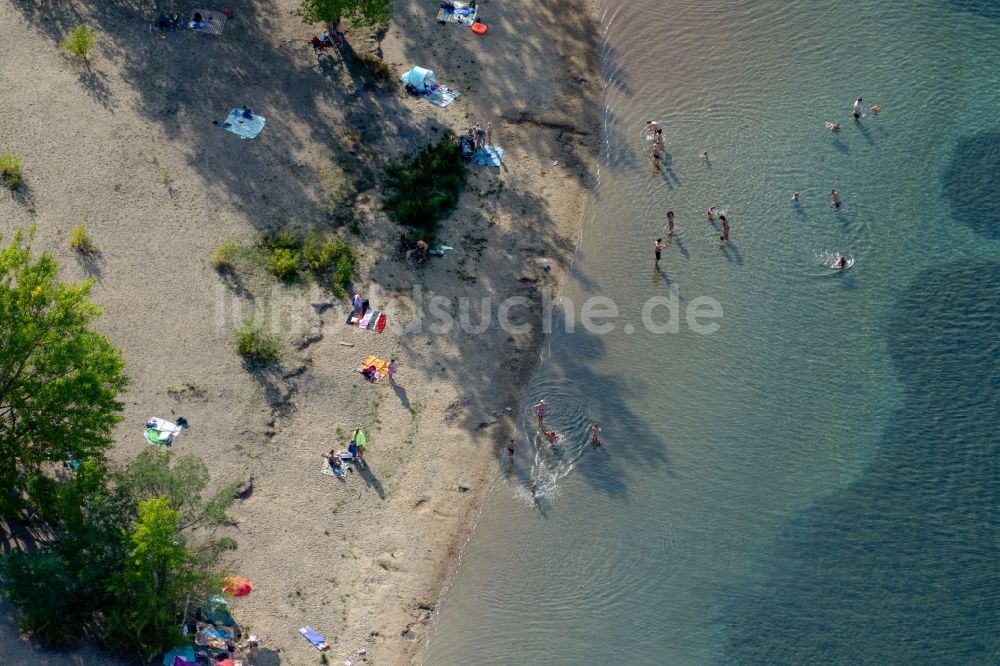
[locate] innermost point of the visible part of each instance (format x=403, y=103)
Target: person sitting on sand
x=333, y=457
x=422, y=249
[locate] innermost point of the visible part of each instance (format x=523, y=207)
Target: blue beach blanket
x=458, y=14
x=488, y=156
x=243, y=127
x=315, y=638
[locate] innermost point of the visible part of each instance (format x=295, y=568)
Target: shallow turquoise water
x=817, y=481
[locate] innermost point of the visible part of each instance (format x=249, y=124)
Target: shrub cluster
x=425, y=188
x=328, y=259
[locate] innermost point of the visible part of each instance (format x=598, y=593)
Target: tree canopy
x=125, y=562
x=59, y=379
x=361, y=13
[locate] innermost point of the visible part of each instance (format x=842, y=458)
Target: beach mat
x=212, y=22
x=488, y=156
x=382, y=367
x=461, y=13
x=243, y=127
x=371, y=320
x=442, y=96
x=315, y=638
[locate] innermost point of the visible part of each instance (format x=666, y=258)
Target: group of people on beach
x=355, y=453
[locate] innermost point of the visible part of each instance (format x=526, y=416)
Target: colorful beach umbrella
x=237, y=586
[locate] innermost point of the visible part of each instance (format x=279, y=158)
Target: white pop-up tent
x=420, y=78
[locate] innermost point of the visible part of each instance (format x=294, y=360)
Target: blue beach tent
x=420, y=78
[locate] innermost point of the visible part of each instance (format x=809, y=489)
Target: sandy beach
x=127, y=145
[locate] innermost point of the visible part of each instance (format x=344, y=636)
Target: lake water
x=817, y=481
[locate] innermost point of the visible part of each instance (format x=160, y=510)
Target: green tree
x=361, y=13
x=149, y=596
x=59, y=379
x=62, y=587
x=152, y=475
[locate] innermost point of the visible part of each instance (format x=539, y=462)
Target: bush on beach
x=79, y=42
x=224, y=257
x=256, y=346
x=424, y=189
x=81, y=241
x=10, y=170
x=332, y=259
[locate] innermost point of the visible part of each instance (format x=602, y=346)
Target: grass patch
x=224, y=257
x=256, y=346
x=81, y=241
x=424, y=189
x=11, y=170
x=79, y=42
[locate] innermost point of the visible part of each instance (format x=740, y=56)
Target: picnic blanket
x=245, y=128
x=212, y=636
x=315, y=638
x=442, y=95
x=459, y=12
x=369, y=320
x=212, y=22
x=345, y=460
x=488, y=156
x=381, y=367
x=160, y=432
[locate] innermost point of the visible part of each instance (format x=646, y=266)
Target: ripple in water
x=902, y=566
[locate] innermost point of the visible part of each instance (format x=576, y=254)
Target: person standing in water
x=511, y=448
x=657, y=155
x=704, y=156
x=857, y=109
x=540, y=413
x=595, y=434
x=670, y=222
x=725, y=228
x=835, y=198
x=533, y=488
x=657, y=249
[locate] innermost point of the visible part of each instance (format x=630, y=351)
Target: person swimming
x=833, y=127
x=841, y=261
x=713, y=213
x=795, y=197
